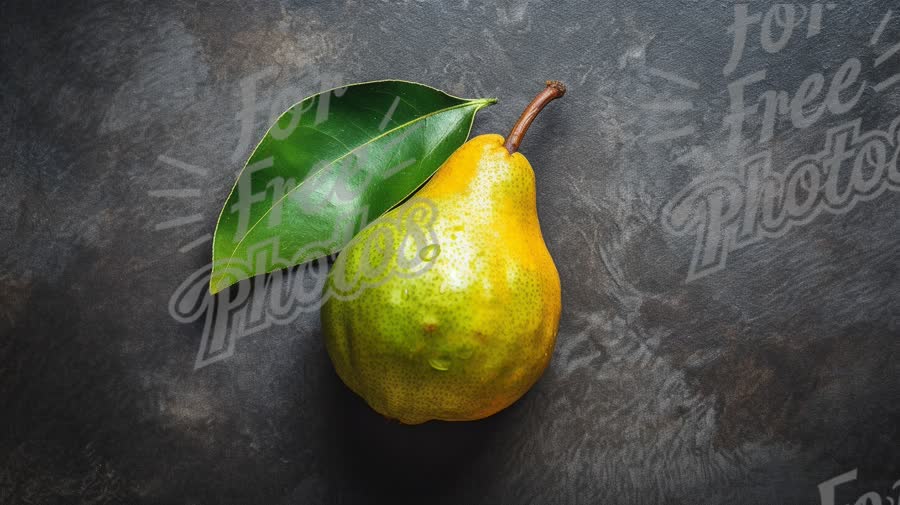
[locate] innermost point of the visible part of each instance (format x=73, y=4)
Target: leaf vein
x=473, y=103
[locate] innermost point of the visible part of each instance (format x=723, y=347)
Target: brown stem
x=554, y=90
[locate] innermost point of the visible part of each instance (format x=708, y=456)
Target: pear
x=447, y=306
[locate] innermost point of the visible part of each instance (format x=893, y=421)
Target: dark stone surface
x=752, y=384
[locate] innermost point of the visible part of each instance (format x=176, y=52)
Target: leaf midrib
x=331, y=163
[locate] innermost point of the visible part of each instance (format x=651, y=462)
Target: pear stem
x=554, y=90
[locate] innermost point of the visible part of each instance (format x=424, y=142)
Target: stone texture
x=749, y=385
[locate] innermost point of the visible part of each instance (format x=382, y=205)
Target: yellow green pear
x=447, y=306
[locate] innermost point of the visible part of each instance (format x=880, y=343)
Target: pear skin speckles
x=471, y=334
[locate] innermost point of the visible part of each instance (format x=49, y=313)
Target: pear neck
x=554, y=90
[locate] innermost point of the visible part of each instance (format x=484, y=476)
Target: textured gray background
x=750, y=385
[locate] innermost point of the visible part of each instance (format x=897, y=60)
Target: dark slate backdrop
x=749, y=383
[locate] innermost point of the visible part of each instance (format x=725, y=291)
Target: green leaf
x=328, y=166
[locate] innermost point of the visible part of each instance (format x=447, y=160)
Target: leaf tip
x=217, y=284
